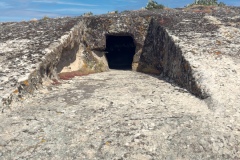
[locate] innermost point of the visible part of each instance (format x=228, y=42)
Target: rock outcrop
x=174, y=43
x=195, y=53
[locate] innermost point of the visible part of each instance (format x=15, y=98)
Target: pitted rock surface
x=117, y=115
x=188, y=110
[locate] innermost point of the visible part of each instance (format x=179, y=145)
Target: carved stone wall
x=169, y=42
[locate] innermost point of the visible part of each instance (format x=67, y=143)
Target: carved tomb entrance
x=120, y=51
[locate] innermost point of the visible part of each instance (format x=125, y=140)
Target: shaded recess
x=68, y=56
x=160, y=55
x=120, y=51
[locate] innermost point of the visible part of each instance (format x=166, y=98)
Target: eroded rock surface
x=22, y=48
x=197, y=51
x=117, y=115
x=191, y=112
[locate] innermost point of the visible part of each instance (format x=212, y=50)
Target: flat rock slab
x=117, y=115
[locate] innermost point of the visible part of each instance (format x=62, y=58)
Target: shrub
x=88, y=14
x=45, y=18
x=221, y=4
x=153, y=5
x=207, y=3
x=113, y=12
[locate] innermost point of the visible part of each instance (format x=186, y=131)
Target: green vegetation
x=207, y=3
x=88, y=14
x=113, y=12
x=153, y=5
x=45, y=18
x=221, y=4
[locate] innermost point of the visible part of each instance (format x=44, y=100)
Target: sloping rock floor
x=117, y=115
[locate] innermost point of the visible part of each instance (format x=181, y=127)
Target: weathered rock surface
x=23, y=47
x=192, y=112
x=173, y=43
x=117, y=115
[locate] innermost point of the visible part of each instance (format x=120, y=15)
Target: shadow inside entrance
x=120, y=51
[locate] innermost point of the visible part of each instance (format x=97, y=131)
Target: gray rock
x=116, y=121
x=2, y=143
x=122, y=114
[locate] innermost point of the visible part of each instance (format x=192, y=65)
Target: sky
x=23, y=10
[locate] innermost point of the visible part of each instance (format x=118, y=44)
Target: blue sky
x=19, y=10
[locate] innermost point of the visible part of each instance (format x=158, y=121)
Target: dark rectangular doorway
x=120, y=51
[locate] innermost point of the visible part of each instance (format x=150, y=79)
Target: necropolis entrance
x=120, y=51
